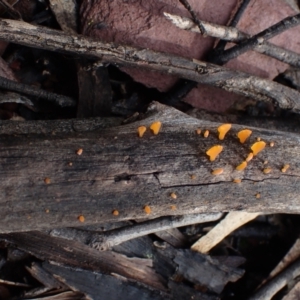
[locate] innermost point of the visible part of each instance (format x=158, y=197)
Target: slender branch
x=202, y=72
x=105, y=240
x=258, y=39
x=232, y=34
x=10, y=9
x=22, y=88
x=241, y=7
x=194, y=16
x=277, y=283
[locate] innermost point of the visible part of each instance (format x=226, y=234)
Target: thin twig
x=194, y=16
x=10, y=9
x=105, y=240
x=278, y=282
x=22, y=88
x=234, y=35
x=242, y=5
x=257, y=39
x=202, y=72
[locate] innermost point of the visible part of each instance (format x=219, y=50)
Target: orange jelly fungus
x=237, y=180
x=193, y=176
x=79, y=151
x=147, y=209
x=155, y=127
x=81, y=219
x=47, y=211
x=206, y=133
x=267, y=170
x=243, y=135
x=198, y=131
x=257, y=147
x=214, y=151
x=173, y=195
x=141, y=130
x=115, y=212
x=242, y=166
x=257, y=195
x=223, y=129
x=258, y=139
x=173, y=207
x=249, y=157
x=284, y=168
x=272, y=144
x=217, y=171
x=47, y=180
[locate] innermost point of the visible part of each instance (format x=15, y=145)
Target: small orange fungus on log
x=173, y=195
x=284, y=168
x=237, y=180
x=258, y=139
x=214, y=151
x=79, y=151
x=147, y=209
x=242, y=166
x=223, y=129
x=267, y=170
x=47, y=180
x=249, y=157
x=193, y=176
x=81, y=218
x=155, y=127
x=47, y=211
x=257, y=147
x=115, y=212
x=257, y=195
x=243, y=135
x=272, y=144
x=173, y=207
x=141, y=130
x=198, y=131
x=217, y=171
x=206, y=133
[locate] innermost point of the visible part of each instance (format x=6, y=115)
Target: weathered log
x=120, y=171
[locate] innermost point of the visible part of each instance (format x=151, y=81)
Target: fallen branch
x=28, y=90
x=258, y=39
x=278, y=282
x=231, y=222
x=232, y=34
x=117, y=170
x=107, y=239
x=237, y=82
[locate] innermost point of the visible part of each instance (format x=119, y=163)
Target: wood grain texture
x=119, y=170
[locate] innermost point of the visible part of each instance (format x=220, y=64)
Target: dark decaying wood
x=95, y=285
x=202, y=72
x=95, y=96
x=120, y=171
x=78, y=255
x=152, y=266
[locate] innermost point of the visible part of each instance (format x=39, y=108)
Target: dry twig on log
x=106, y=240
